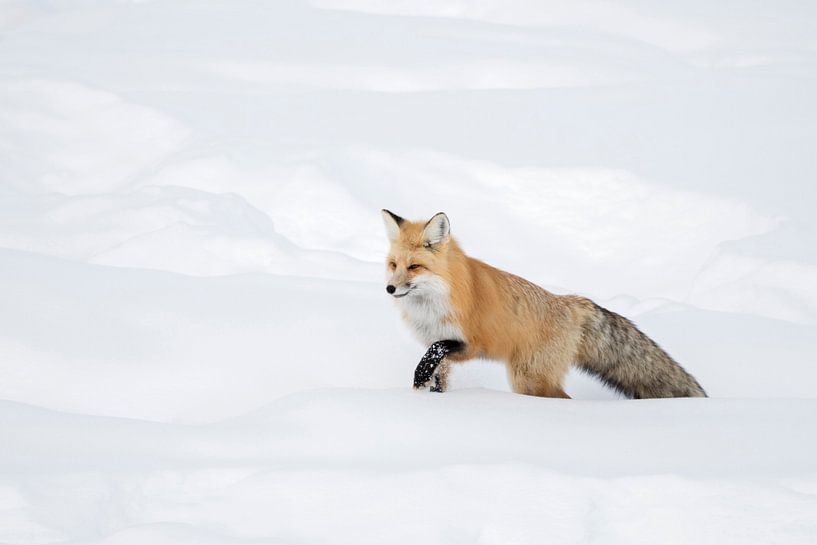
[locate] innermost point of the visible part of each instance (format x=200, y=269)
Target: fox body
x=463, y=308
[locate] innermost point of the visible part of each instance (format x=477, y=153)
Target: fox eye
x=414, y=266
x=392, y=264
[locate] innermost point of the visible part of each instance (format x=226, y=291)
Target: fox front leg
x=432, y=366
x=441, y=377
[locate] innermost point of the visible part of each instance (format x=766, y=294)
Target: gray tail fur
x=614, y=350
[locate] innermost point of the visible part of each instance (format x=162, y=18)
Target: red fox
x=463, y=308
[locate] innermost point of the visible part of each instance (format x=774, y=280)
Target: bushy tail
x=614, y=350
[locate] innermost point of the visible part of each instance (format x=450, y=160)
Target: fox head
x=417, y=256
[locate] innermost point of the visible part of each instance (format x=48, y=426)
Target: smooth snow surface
x=195, y=342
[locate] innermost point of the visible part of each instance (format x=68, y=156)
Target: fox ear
x=392, y=223
x=437, y=230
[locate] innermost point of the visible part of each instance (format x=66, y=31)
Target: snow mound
x=68, y=138
x=406, y=467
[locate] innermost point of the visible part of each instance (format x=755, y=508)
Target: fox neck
x=430, y=313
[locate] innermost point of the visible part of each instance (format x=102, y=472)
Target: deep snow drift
x=195, y=343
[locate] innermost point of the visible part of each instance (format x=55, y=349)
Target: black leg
x=431, y=359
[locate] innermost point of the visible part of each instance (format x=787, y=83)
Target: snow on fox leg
x=427, y=369
x=441, y=377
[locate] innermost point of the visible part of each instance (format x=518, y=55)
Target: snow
x=469, y=466
x=195, y=342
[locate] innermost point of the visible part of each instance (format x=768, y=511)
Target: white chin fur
x=427, y=309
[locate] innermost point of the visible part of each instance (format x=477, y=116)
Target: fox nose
x=390, y=288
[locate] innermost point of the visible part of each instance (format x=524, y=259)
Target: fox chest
x=430, y=318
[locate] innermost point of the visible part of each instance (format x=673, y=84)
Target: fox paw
x=438, y=384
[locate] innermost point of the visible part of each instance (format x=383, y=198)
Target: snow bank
x=395, y=466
